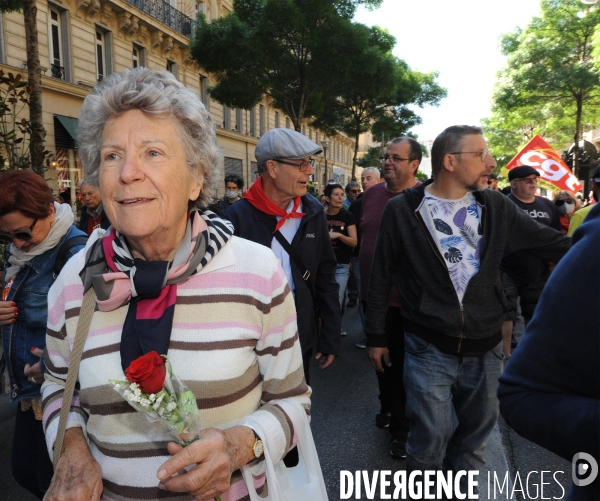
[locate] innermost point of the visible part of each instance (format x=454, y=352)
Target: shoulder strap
x=61, y=257
x=83, y=327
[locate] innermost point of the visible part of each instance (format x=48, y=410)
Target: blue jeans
x=342, y=272
x=451, y=405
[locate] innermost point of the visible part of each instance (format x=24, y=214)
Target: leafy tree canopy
x=551, y=73
x=294, y=50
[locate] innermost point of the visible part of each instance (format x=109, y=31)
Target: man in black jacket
x=92, y=214
x=442, y=242
x=278, y=201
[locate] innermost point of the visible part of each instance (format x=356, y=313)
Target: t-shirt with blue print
x=458, y=236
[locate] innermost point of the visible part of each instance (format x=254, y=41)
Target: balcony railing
x=57, y=71
x=166, y=14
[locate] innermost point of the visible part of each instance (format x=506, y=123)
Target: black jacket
x=550, y=391
x=407, y=253
x=313, y=245
x=83, y=222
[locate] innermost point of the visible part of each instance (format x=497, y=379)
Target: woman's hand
x=334, y=235
x=215, y=456
x=33, y=372
x=8, y=312
x=77, y=476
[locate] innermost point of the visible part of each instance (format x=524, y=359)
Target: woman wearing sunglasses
x=33, y=227
x=567, y=204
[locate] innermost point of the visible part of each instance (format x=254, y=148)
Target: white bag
x=304, y=481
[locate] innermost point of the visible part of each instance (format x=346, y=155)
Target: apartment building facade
x=83, y=41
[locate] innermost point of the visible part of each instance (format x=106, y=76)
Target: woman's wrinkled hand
x=214, y=458
x=77, y=476
x=8, y=312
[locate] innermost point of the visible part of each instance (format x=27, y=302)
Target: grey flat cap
x=284, y=143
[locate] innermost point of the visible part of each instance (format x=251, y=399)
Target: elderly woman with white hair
x=168, y=277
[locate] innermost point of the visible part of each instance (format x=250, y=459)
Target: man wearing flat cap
x=524, y=275
x=278, y=213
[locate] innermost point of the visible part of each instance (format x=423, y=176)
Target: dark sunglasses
x=355, y=191
x=560, y=203
x=24, y=235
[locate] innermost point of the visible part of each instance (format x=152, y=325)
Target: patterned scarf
x=256, y=196
x=150, y=287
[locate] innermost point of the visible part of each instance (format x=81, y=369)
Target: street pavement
x=344, y=405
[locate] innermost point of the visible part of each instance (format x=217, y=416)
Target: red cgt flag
x=555, y=175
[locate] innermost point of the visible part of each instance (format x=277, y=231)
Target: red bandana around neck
x=256, y=196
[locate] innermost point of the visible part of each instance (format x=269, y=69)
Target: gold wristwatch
x=259, y=447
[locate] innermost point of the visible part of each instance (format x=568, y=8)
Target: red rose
x=148, y=371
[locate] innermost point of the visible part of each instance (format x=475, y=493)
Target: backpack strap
x=61, y=257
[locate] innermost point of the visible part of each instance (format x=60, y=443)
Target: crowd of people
x=243, y=291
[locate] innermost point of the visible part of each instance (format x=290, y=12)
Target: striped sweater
x=234, y=343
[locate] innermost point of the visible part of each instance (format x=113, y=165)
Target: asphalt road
x=344, y=405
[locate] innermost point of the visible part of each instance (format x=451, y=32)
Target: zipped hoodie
x=407, y=253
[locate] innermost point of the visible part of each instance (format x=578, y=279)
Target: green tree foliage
x=379, y=92
x=35, y=127
x=296, y=51
x=550, y=72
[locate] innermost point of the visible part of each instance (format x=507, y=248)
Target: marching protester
x=567, y=204
x=277, y=212
x=368, y=177
x=524, y=275
x=342, y=232
x=171, y=279
x=92, y=215
x=579, y=216
x=550, y=391
x=39, y=237
x=441, y=244
x=400, y=164
x=233, y=191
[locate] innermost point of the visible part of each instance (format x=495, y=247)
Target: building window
x=310, y=134
x=261, y=118
x=238, y=120
x=173, y=68
x=277, y=120
x=57, y=69
x=138, y=55
x=234, y=166
x=253, y=121
x=204, y=91
x=103, y=53
x=226, y=117
x=287, y=122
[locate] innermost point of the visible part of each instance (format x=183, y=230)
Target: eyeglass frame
x=528, y=180
x=312, y=162
x=27, y=234
x=355, y=191
x=483, y=153
x=385, y=158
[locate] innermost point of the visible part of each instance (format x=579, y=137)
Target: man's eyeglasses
x=302, y=166
x=560, y=203
x=394, y=158
x=355, y=191
x=24, y=235
x=528, y=180
x=483, y=153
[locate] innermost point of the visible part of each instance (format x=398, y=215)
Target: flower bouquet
x=152, y=389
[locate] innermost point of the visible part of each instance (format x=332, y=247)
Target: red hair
x=25, y=192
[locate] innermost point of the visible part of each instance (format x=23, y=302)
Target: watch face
x=259, y=448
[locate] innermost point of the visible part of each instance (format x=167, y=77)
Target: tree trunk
x=34, y=70
x=355, y=152
x=577, y=135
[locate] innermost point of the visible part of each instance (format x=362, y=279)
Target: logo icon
x=585, y=469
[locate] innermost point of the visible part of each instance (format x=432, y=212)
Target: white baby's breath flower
x=127, y=393
x=144, y=402
x=134, y=386
x=137, y=392
x=171, y=406
x=161, y=411
x=131, y=397
x=152, y=397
